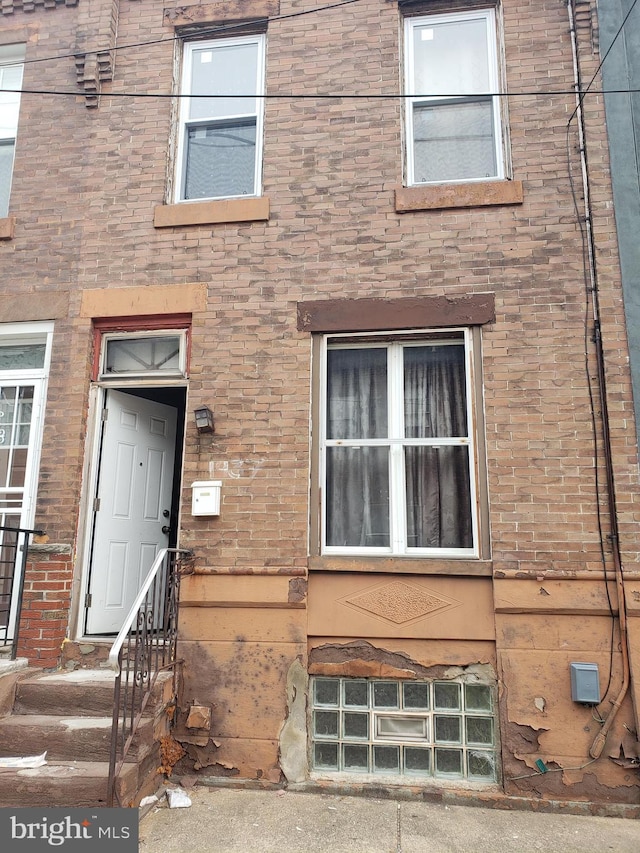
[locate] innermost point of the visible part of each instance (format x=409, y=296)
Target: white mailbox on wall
x=205, y=497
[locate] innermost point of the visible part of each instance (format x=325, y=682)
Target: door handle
x=166, y=529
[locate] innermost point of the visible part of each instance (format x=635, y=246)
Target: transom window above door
x=161, y=354
x=398, y=459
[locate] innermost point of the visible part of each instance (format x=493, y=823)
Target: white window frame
x=11, y=56
x=396, y=442
x=26, y=333
x=422, y=98
x=185, y=123
x=178, y=373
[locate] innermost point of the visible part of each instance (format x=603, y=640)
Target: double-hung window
x=220, y=144
x=453, y=127
x=11, y=67
x=397, y=447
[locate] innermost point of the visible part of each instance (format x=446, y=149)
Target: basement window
x=407, y=729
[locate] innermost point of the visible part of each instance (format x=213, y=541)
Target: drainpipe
x=599, y=741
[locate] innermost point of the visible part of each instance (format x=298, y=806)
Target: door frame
x=93, y=448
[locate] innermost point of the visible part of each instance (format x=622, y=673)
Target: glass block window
x=441, y=729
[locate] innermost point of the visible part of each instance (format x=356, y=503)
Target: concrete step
x=66, y=784
x=68, y=715
x=85, y=692
x=67, y=738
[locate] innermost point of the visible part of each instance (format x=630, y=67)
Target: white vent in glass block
x=205, y=497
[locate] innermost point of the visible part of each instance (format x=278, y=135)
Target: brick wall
x=45, y=608
x=87, y=182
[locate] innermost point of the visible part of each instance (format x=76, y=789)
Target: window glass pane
x=355, y=757
x=356, y=725
x=438, y=495
x=416, y=695
x=449, y=762
x=221, y=160
x=225, y=69
x=386, y=759
x=385, y=694
x=435, y=393
x=451, y=57
x=358, y=496
x=477, y=697
x=325, y=755
x=6, y=171
x=327, y=691
x=21, y=357
x=401, y=727
x=18, y=467
x=357, y=393
x=454, y=141
x=446, y=695
x=481, y=765
x=10, y=78
x=479, y=730
x=325, y=723
x=356, y=693
x=143, y=355
x=447, y=729
x=417, y=760
x=23, y=416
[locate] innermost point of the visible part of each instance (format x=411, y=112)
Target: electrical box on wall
x=585, y=683
x=205, y=497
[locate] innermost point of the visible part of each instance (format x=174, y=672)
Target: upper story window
x=11, y=67
x=220, y=143
x=453, y=127
x=398, y=465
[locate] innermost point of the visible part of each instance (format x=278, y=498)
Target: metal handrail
x=19, y=592
x=145, y=646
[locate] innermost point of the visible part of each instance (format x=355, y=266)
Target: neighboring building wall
x=89, y=219
x=621, y=77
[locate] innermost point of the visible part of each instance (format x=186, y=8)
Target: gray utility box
x=585, y=683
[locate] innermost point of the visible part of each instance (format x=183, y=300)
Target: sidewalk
x=224, y=820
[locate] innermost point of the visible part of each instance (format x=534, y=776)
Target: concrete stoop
x=68, y=715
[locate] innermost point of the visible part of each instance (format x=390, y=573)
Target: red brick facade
x=91, y=235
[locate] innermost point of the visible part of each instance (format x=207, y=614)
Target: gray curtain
x=357, y=493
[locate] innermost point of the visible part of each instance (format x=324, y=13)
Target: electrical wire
x=602, y=61
x=321, y=96
x=202, y=31
x=551, y=770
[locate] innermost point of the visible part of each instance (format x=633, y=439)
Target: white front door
x=133, y=507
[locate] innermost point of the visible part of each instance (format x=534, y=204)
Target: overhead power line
x=201, y=32
x=322, y=96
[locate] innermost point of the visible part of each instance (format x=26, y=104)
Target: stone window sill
x=476, y=194
x=211, y=212
x=7, y=227
x=402, y=565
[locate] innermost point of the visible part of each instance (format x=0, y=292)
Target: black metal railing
x=145, y=647
x=14, y=544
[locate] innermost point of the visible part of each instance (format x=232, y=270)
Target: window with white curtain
x=452, y=115
x=11, y=68
x=397, y=449
x=220, y=140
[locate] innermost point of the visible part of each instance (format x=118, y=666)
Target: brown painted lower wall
x=241, y=636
